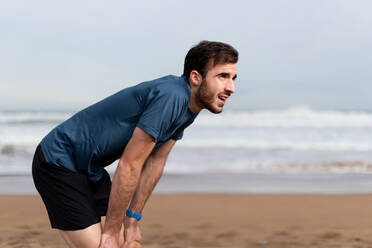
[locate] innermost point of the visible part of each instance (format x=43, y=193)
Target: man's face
x=216, y=87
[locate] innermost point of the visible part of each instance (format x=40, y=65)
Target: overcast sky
x=70, y=54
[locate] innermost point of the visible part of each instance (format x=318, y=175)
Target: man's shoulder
x=169, y=86
x=169, y=80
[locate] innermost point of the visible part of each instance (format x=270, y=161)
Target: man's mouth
x=223, y=98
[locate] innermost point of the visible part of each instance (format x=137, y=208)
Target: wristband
x=132, y=214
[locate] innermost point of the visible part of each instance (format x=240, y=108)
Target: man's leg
x=89, y=237
x=72, y=201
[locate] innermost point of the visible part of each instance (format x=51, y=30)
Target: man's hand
x=108, y=241
x=132, y=234
x=133, y=244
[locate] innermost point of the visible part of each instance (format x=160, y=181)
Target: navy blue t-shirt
x=97, y=136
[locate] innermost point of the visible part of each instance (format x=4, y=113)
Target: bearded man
x=139, y=126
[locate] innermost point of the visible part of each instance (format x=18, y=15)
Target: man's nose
x=230, y=87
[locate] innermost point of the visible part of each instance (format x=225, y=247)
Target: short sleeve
x=159, y=112
x=178, y=136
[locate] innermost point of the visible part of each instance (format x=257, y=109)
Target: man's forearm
x=150, y=175
x=123, y=186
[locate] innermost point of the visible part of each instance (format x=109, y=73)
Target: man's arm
x=124, y=183
x=151, y=173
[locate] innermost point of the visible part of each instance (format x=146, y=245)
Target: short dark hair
x=207, y=54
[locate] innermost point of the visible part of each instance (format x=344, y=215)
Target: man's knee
x=89, y=237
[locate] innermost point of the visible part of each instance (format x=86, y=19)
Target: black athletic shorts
x=72, y=200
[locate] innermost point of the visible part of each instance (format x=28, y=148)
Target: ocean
x=235, y=151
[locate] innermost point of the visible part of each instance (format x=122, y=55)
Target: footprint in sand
x=331, y=235
x=181, y=235
x=357, y=239
x=34, y=233
x=227, y=235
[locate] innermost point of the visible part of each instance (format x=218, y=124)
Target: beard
x=206, y=99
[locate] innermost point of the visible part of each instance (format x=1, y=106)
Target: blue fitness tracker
x=132, y=214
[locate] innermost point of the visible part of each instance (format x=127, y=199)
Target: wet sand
x=216, y=220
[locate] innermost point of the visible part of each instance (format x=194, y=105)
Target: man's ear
x=195, y=78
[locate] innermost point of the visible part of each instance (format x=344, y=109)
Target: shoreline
x=243, y=183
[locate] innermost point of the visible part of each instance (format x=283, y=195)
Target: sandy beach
x=216, y=220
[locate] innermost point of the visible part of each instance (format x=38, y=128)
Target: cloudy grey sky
x=69, y=54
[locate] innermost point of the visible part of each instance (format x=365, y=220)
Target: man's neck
x=194, y=105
